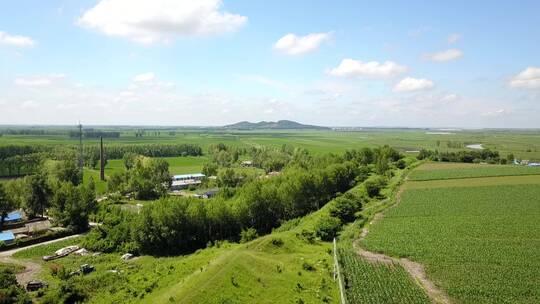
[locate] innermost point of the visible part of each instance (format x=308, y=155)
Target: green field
x=373, y=283
x=479, y=243
x=436, y=171
x=523, y=144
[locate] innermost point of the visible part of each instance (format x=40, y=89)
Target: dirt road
x=31, y=269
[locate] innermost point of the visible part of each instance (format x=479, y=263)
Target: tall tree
x=6, y=205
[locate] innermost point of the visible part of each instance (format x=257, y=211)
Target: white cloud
x=145, y=77
x=15, y=40
x=528, y=79
x=39, y=81
x=371, y=69
x=453, y=38
x=443, y=56
x=495, y=113
x=410, y=84
x=150, y=21
x=291, y=44
x=450, y=97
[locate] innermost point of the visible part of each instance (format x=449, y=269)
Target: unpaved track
x=415, y=270
x=31, y=269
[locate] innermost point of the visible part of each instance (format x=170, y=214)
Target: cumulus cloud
x=39, y=81
x=453, y=38
x=410, y=84
x=372, y=69
x=150, y=21
x=528, y=79
x=15, y=40
x=447, y=55
x=145, y=77
x=292, y=44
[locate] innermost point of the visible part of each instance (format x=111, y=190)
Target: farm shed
x=7, y=237
x=183, y=181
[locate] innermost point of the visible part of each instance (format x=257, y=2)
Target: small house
x=7, y=237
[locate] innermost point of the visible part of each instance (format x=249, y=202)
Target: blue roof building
x=7, y=237
x=14, y=216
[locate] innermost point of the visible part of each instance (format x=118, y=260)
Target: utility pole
x=101, y=160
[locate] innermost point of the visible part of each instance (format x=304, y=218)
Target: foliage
x=71, y=205
x=248, y=235
x=374, y=185
x=10, y=290
x=345, y=207
x=465, y=156
x=328, y=228
x=148, y=178
x=7, y=204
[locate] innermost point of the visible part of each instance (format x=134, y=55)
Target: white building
x=182, y=181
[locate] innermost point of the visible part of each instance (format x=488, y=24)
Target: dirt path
x=31, y=269
x=415, y=270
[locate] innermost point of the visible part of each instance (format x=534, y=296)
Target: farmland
x=368, y=282
x=438, y=171
x=524, y=144
x=477, y=238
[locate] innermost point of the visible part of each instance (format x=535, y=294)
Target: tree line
x=465, y=156
x=173, y=225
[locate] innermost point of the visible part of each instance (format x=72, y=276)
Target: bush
x=373, y=186
x=328, y=228
x=248, y=235
x=278, y=242
x=344, y=208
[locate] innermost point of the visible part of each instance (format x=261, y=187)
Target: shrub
x=306, y=235
x=308, y=267
x=328, y=228
x=277, y=242
x=373, y=186
x=344, y=208
x=248, y=235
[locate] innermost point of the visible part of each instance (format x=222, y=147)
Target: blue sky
x=210, y=62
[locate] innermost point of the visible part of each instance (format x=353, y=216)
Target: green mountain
x=281, y=124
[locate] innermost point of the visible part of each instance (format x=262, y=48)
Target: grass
x=480, y=244
x=281, y=267
x=373, y=283
x=431, y=171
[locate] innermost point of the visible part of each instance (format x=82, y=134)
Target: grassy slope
x=479, y=243
x=262, y=272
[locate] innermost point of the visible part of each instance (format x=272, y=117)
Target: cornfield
x=367, y=282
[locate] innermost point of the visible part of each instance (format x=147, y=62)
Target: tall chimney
x=102, y=160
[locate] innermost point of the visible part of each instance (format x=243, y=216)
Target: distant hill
x=281, y=125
